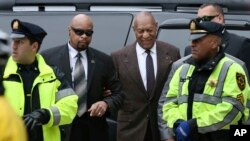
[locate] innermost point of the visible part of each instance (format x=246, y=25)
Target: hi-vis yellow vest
x=62, y=104
x=220, y=105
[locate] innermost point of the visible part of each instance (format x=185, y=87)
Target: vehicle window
x=176, y=37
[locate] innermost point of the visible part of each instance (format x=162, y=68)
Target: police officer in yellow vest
x=37, y=92
x=208, y=92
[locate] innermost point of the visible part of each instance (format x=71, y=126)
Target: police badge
x=240, y=78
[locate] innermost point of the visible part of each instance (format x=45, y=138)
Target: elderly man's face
x=145, y=31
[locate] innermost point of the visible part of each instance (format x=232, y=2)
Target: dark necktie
x=150, y=72
x=80, y=85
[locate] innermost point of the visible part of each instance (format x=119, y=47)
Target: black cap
x=21, y=29
x=202, y=28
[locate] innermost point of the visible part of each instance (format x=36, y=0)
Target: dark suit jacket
x=237, y=46
x=139, y=107
x=101, y=73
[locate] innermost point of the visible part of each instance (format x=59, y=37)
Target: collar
x=141, y=50
x=73, y=52
x=30, y=67
x=208, y=65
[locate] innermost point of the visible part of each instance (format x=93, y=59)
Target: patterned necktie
x=150, y=72
x=80, y=85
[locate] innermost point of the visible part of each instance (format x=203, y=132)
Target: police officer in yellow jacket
x=208, y=92
x=37, y=92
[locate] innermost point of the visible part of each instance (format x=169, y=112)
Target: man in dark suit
x=99, y=72
x=137, y=119
x=237, y=46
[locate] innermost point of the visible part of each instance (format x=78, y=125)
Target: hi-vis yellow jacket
x=221, y=104
x=55, y=95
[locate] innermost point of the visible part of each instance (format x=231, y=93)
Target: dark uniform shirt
x=199, y=78
x=32, y=102
x=28, y=74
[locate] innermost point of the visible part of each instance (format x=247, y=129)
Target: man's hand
x=98, y=109
x=37, y=117
x=183, y=131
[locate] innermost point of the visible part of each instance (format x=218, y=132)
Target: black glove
x=37, y=117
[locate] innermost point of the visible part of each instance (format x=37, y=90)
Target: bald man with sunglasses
x=98, y=72
x=235, y=45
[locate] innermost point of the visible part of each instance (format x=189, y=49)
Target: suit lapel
x=65, y=64
x=91, y=65
x=163, y=63
x=131, y=63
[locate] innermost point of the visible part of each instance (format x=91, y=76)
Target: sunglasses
x=80, y=32
x=207, y=18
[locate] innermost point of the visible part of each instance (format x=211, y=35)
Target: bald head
x=80, y=31
x=145, y=29
x=81, y=19
x=142, y=16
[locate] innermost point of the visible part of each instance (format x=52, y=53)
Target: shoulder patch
x=240, y=98
x=240, y=78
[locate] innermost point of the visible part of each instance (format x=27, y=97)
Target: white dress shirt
x=73, y=58
x=141, y=57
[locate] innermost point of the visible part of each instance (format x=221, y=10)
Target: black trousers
x=148, y=135
x=86, y=128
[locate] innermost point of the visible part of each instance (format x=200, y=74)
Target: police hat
x=21, y=29
x=202, y=28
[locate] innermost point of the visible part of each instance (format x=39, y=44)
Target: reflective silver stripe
x=64, y=93
x=237, y=106
x=248, y=106
x=222, y=77
x=182, y=99
x=171, y=99
x=236, y=103
x=243, y=64
x=183, y=75
x=230, y=116
x=215, y=100
x=204, y=98
x=56, y=115
x=248, y=121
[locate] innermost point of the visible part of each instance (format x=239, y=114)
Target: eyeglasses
x=80, y=32
x=207, y=18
